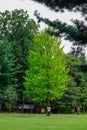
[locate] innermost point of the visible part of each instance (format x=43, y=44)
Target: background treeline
x=77, y=34
x=21, y=49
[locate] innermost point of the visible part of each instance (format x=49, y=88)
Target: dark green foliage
x=7, y=65
x=76, y=94
x=17, y=28
x=76, y=33
x=65, y=4
x=73, y=95
x=8, y=71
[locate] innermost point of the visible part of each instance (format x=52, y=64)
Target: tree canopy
x=47, y=76
x=16, y=37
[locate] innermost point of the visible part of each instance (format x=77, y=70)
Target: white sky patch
x=45, y=12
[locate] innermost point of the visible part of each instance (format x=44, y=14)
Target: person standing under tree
x=48, y=110
x=78, y=110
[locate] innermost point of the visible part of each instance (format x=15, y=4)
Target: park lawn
x=42, y=122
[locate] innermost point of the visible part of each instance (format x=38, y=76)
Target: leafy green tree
x=76, y=93
x=7, y=72
x=7, y=66
x=46, y=78
x=18, y=28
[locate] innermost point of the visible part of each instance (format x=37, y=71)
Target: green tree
x=18, y=28
x=46, y=78
x=76, y=93
x=7, y=66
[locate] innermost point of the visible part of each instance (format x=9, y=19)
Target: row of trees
x=16, y=37
x=33, y=66
x=77, y=34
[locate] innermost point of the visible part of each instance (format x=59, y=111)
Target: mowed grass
x=42, y=122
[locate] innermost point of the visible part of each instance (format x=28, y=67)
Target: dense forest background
x=34, y=71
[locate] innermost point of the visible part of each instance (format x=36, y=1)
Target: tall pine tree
x=77, y=33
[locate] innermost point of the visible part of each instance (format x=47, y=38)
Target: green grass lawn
x=42, y=122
